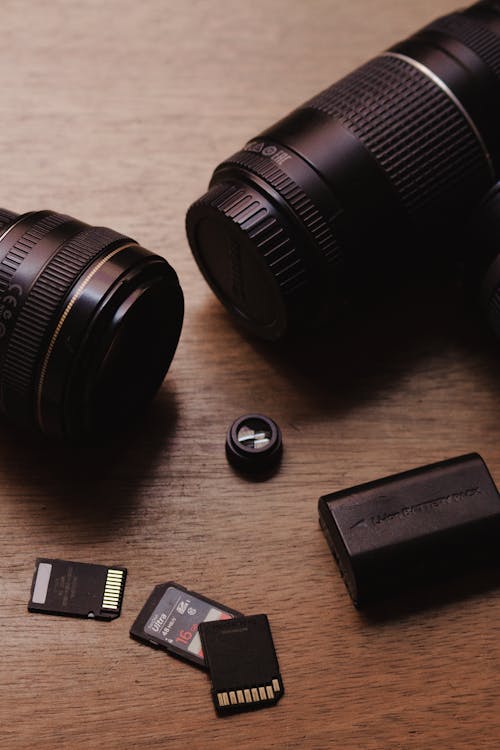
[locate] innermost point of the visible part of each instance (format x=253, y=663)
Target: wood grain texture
x=116, y=113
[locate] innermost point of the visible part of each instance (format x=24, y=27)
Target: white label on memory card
x=176, y=618
x=41, y=583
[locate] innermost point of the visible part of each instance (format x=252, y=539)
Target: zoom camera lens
x=89, y=323
x=483, y=260
x=367, y=176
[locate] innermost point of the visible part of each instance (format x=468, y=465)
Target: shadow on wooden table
x=436, y=595
x=370, y=348
x=98, y=478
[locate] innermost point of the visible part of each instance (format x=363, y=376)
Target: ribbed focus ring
x=415, y=131
x=6, y=218
x=44, y=300
x=268, y=235
x=23, y=246
x=298, y=200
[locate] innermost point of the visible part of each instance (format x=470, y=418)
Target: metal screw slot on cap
x=254, y=443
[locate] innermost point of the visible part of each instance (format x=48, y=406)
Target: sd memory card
x=243, y=665
x=61, y=587
x=170, y=620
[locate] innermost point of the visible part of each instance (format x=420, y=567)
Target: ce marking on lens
x=8, y=306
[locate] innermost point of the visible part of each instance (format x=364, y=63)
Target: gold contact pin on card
x=113, y=589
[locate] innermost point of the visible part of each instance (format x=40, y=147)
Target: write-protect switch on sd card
x=242, y=663
x=170, y=620
x=61, y=587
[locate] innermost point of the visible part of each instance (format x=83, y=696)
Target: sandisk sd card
x=62, y=587
x=170, y=620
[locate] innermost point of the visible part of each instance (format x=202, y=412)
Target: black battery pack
x=413, y=527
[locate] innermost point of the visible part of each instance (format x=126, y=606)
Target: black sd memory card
x=242, y=662
x=170, y=620
x=61, y=587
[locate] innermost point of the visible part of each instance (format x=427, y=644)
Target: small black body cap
x=254, y=444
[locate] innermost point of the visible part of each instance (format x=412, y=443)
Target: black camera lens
x=483, y=258
x=89, y=323
x=369, y=175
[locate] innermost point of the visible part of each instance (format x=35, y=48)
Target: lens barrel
x=370, y=174
x=89, y=323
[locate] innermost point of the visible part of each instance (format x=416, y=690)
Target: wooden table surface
x=117, y=112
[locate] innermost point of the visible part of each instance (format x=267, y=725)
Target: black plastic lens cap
x=253, y=443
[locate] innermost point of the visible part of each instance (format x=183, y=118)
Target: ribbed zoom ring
x=414, y=130
x=44, y=301
x=296, y=198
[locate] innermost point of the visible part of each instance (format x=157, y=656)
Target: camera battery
x=413, y=527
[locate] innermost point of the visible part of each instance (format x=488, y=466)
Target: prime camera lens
x=89, y=323
x=369, y=175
